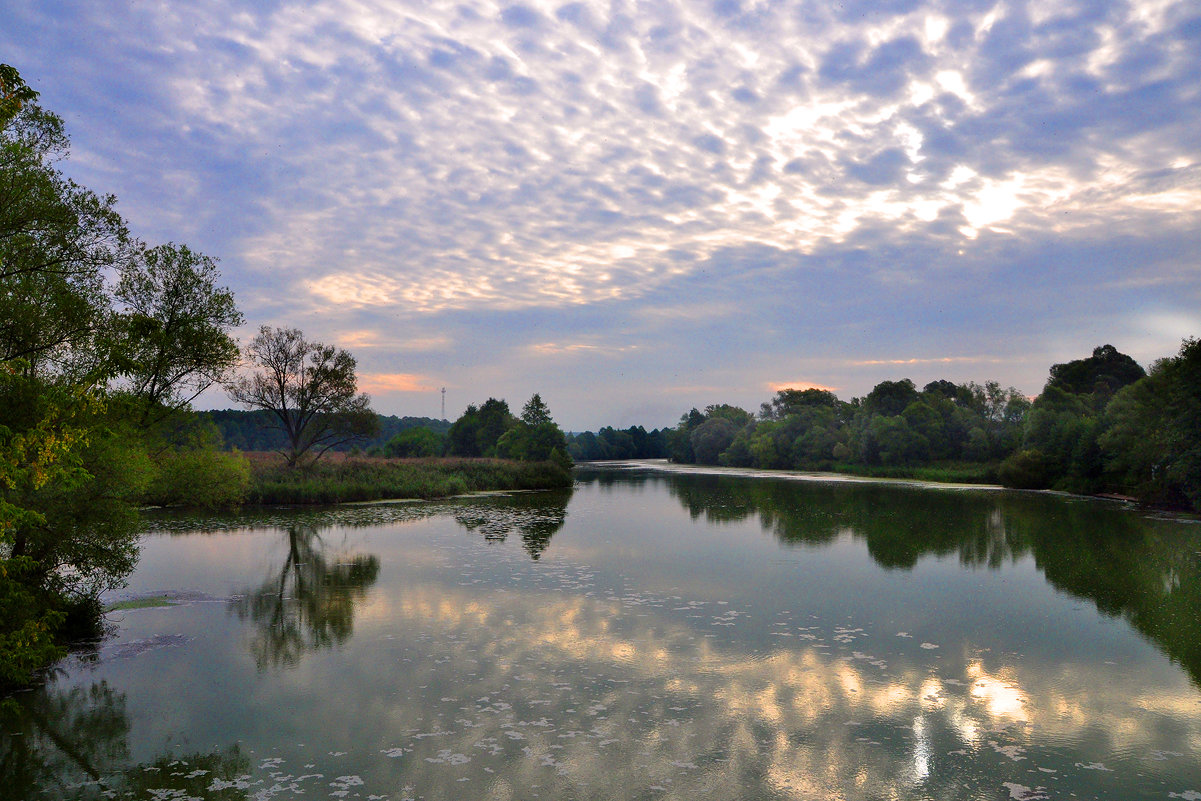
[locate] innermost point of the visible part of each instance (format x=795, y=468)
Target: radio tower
x=443, y=403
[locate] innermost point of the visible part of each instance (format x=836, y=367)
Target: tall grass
x=357, y=478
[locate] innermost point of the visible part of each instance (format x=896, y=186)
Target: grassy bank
x=946, y=472
x=362, y=478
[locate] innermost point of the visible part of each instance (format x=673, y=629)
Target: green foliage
x=1098, y=377
x=56, y=241
x=14, y=93
x=679, y=439
x=74, y=454
x=1152, y=440
x=535, y=412
x=532, y=443
x=1026, y=469
x=28, y=624
x=561, y=459
x=890, y=398
x=1066, y=422
x=495, y=420
x=67, y=519
x=202, y=478
x=790, y=401
x=491, y=431
x=463, y=439
x=714, y=430
x=254, y=430
x=634, y=442
x=175, y=324
x=371, y=479
x=711, y=437
x=1145, y=443
x=415, y=442
x=480, y=428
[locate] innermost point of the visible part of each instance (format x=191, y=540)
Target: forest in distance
x=1102, y=424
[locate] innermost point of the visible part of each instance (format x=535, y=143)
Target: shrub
x=200, y=478
x=1027, y=469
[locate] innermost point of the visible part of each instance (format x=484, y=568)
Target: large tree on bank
x=86, y=371
x=175, y=328
x=310, y=388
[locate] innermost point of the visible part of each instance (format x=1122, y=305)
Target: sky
x=635, y=208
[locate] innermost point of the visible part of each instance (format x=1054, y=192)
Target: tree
x=790, y=401
x=535, y=412
x=463, y=438
x=56, y=241
x=890, y=398
x=495, y=420
x=535, y=437
x=14, y=93
x=73, y=466
x=1152, y=442
x=480, y=428
x=415, y=442
x=679, y=439
x=528, y=443
x=711, y=437
x=176, y=325
x=310, y=388
x=1100, y=375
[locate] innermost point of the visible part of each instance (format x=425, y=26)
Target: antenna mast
x=443, y=403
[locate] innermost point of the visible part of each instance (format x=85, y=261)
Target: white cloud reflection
x=656, y=702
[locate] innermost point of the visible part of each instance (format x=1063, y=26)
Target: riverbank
x=950, y=474
x=338, y=479
x=940, y=473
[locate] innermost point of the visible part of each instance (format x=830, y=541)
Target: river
x=649, y=634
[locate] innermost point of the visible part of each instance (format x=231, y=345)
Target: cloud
x=367, y=339
x=768, y=178
x=568, y=348
x=777, y=386
x=934, y=360
x=373, y=383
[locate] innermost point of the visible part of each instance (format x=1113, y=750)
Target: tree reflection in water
x=72, y=744
x=535, y=516
x=309, y=603
x=1129, y=565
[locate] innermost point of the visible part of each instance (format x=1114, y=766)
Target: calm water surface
x=648, y=635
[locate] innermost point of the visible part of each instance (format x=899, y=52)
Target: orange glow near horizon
x=777, y=386
x=383, y=383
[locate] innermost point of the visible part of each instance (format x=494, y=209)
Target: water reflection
x=534, y=516
x=308, y=603
x=73, y=743
x=585, y=698
x=1131, y=566
x=644, y=657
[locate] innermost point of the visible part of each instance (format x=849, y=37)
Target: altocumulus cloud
x=818, y=190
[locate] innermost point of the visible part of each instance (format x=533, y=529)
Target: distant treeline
x=259, y=431
x=634, y=442
x=489, y=430
x=1101, y=424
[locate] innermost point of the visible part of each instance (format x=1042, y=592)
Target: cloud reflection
x=595, y=697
